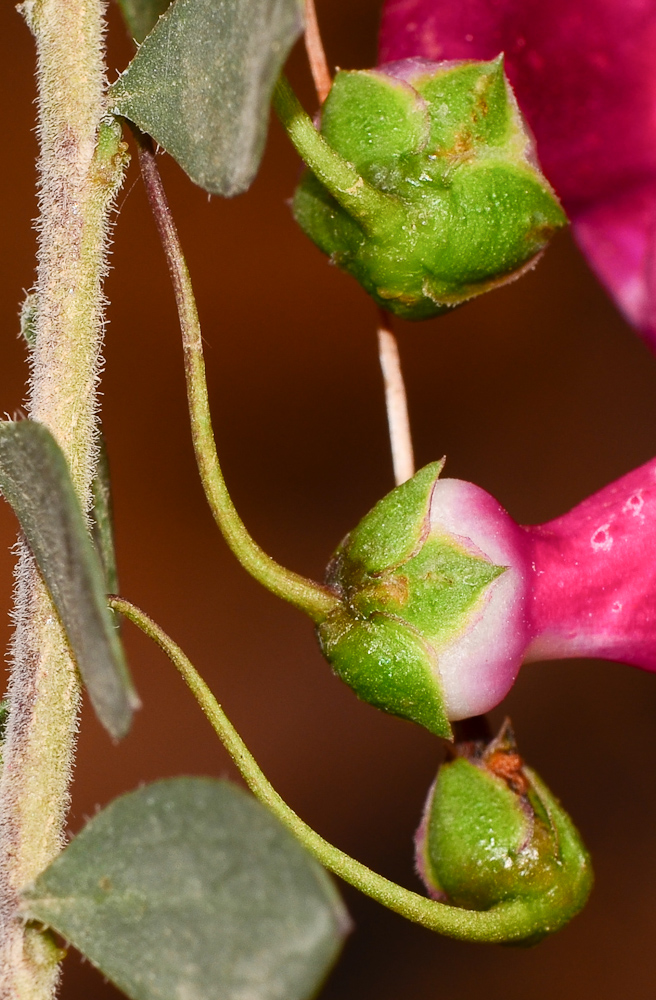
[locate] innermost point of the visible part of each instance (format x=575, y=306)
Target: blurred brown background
x=538, y=392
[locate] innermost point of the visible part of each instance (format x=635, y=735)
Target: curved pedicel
x=443, y=595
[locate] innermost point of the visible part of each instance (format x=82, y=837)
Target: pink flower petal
x=582, y=585
x=479, y=666
x=618, y=236
x=594, y=576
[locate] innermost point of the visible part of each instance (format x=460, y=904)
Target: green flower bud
x=493, y=833
x=410, y=591
x=466, y=207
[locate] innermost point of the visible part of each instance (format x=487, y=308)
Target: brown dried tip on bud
x=492, y=833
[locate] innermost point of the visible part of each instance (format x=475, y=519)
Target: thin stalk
x=373, y=209
x=315, y=53
x=396, y=402
x=81, y=166
x=317, y=601
x=503, y=923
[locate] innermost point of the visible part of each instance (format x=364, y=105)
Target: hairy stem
x=396, y=401
x=81, y=167
x=506, y=922
x=315, y=600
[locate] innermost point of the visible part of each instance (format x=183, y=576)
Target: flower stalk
x=81, y=166
x=396, y=401
x=317, y=601
x=374, y=210
x=315, y=53
x=509, y=921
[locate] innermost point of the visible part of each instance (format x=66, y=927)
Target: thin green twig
x=316, y=600
x=507, y=922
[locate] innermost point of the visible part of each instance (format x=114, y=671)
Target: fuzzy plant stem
x=317, y=601
x=81, y=166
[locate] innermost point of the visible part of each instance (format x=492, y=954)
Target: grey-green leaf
x=102, y=520
x=141, y=15
x=190, y=888
x=35, y=480
x=201, y=85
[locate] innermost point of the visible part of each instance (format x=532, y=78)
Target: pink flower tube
x=593, y=576
x=585, y=78
x=583, y=584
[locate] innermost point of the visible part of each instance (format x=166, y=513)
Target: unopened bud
x=415, y=598
x=468, y=208
x=493, y=833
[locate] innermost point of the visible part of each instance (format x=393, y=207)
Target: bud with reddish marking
x=492, y=833
x=466, y=207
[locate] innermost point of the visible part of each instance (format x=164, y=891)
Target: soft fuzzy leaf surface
x=201, y=84
x=189, y=888
x=35, y=480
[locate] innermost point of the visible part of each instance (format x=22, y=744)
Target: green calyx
x=461, y=205
x=493, y=833
x=405, y=593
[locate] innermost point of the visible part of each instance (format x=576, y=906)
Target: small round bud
x=430, y=625
x=493, y=833
x=467, y=207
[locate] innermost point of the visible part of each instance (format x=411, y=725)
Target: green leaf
x=141, y=15
x=35, y=480
x=102, y=521
x=201, y=85
x=190, y=888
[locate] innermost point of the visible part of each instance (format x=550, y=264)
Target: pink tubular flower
x=585, y=77
x=443, y=596
x=594, y=576
x=580, y=585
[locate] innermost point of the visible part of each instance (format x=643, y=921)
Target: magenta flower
x=580, y=585
x=585, y=77
x=594, y=576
